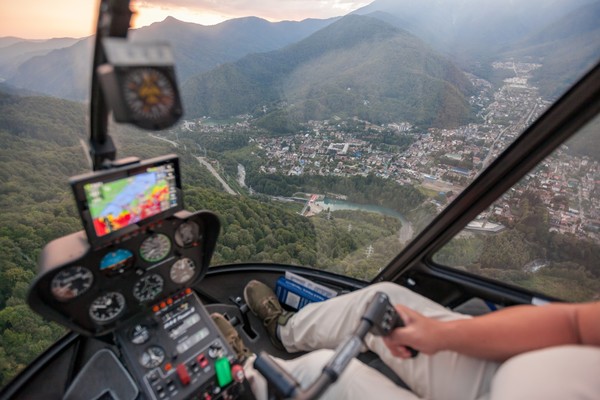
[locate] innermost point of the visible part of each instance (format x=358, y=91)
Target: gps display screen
x=114, y=200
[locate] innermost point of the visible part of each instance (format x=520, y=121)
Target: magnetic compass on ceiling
x=149, y=93
x=139, y=83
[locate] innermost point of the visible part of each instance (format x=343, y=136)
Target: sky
x=43, y=19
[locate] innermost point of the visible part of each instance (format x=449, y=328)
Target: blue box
x=295, y=295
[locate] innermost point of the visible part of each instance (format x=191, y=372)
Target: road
x=489, y=156
x=241, y=175
x=174, y=144
x=227, y=188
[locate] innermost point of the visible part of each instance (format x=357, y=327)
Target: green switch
x=223, y=370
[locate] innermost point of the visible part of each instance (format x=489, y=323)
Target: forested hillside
x=530, y=254
x=39, y=148
x=472, y=29
x=565, y=49
x=396, y=78
x=362, y=190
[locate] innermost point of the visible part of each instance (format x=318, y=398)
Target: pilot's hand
x=421, y=333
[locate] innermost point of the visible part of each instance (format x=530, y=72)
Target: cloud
x=268, y=9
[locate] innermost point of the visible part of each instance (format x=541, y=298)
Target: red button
x=202, y=361
x=183, y=374
x=238, y=373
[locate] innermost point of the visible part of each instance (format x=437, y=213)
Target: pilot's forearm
x=503, y=334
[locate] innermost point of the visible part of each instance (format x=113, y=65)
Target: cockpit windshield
x=325, y=134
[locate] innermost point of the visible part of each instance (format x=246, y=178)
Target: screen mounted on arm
x=120, y=201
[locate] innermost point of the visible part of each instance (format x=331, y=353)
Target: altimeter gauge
x=148, y=287
x=107, y=307
x=71, y=282
x=155, y=248
x=182, y=270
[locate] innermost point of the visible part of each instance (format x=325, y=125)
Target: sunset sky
x=39, y=19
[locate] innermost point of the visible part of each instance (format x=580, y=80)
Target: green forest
x=39, y=148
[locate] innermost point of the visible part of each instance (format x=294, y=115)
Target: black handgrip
x=282, y=382
x=384, y=318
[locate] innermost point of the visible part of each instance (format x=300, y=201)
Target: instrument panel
x=175, y=351
x=95, y=290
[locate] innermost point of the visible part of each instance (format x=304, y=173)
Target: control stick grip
x=282, y=381
x=384, y=317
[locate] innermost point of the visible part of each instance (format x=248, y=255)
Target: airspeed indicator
x=155, y=248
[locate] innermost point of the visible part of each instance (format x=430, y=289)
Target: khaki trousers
x=566, y=372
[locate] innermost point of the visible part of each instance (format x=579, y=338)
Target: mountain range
x=468, y=29
x=358, y=66
x=563, y=35
x=15, y=51
x=565, y=49
x=65, y=72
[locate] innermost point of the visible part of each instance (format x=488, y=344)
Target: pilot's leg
x=564, y=372
x=358, y=381
x=445, y=375
x=325, y=324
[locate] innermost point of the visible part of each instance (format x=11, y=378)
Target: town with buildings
x=442, y=161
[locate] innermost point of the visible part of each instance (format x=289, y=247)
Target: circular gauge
x=139, y=334
x=148, y=287
x=116, y=261
x=71, y=282
x=149, y=94
x=155, y=248
x=182, y=271
x=187, y=234
x=107, y=307
x=152, y=357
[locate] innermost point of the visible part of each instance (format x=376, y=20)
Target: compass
x=139, y=83
x=149, y=94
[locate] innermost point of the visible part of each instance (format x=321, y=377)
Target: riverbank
x=405, y=234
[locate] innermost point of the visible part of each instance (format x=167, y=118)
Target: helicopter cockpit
x=134, y=288
x=129, y=274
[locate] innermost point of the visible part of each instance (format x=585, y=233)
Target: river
x=404, y=235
